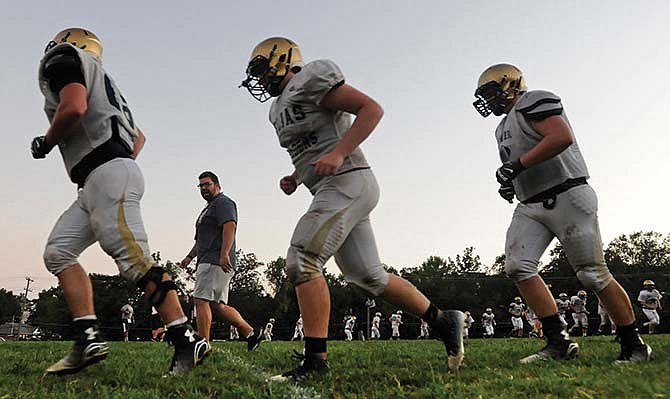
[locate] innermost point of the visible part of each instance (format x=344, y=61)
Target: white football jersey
x=305, y=128
x=487, y=318
x=268, y=327
x=375, y=321
x=299, y=323
x=395, y=320
x=350, y=324
x=562, y=305
x=650, y=299
x=107, y=110
x=578, y=304
x=517, y=308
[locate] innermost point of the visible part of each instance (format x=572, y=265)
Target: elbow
x=74, y=112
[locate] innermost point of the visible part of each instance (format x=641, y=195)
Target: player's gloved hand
x=508, y=171
x=39, y=147
x=507, y=192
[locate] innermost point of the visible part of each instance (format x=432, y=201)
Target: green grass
x=378, y=369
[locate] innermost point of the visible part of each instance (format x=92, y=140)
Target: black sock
x=431, y=313
x=552, y=326
x=315, y=345
x=628, y=334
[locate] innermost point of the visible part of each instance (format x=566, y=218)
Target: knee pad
x=57, y=259
x=155, y=275
x=302, y=266
x=518, y=269
x=594, y=277
x=373, y=280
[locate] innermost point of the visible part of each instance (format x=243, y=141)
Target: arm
x=288, y=184
x=227, y=239
x=189, y=257
x=139, y=143
x=557, y=136
x=368, y=114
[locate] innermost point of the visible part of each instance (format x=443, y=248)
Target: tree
x=639, y=249
x=10, y=305
x=247, y=276
x=468, y=262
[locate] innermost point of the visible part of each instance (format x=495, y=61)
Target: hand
x=224, y=261
x=39, y=147
x=288, y=184
x=507, y=192
x=508, y=171
x=185, y=262
x=328, y=164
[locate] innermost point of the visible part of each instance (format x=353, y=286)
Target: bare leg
x=616, y=302
x=314, y=301
x=204, y=317
x=537, y=296
x=231, y=315
x=405, y=295
x=78, y=290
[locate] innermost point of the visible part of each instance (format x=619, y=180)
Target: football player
x=534, y=323
x=396, y=321
x=650, y=300
x=604, y=319
x=298, y=332
x=488, y=321
x=234, y=334
x=467, y=324
x=99, y=140
x=267, y=333
x=423, y=330
x=127, y=318
x=517, y=309
x=544, y=169
x=349, y=328
x=375, y=326
x=311, y=114
x=563, y=305
x=579, y=313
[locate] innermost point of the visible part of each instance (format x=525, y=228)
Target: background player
x=488, y=322
x=650, y=300
x=517, y=310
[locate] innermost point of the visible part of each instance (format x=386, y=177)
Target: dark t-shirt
x=209, y=229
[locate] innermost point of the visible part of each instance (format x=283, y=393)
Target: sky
x=179, y=66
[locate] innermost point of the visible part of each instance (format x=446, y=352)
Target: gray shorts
x=212, y=283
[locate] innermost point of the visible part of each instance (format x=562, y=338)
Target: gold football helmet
x=563, y=295
x=78, y=37
x=489, y=310
x=497, y=88
x=270, y=62
x=517, y=299
x=581, y=293
x=648, y=283
x=378, y=314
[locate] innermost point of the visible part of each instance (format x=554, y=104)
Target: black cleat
x=88, y=349
x=562, y=349
x=189, y=348
x=639, y=352
x=308, y=368
x=254, y=341
x=448, y=327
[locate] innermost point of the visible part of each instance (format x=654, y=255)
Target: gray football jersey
x=562, y=305
x=516, y=308
x=305, y=128
x=578, y=304
x=516, y=136
x=105, y=106
x=650, y=299
x=487, y=319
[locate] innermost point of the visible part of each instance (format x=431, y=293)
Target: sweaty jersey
x=650, y=299
x=308, y=130
x=487, y=319
x=516, y=136
x=107, y=115
x=578, y=304
x=516, y=309
x=562, y=305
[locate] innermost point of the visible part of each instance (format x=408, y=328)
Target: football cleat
x=88, y=349
x=189, y=349
x=448, y=327
x=309, y=367
x=558, y=348
x=254, y=340
x=640, y=352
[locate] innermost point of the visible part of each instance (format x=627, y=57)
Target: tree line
x=261, y=290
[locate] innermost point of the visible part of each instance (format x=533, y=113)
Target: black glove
x=40, y=148
x=506, y=173
x=507, y=192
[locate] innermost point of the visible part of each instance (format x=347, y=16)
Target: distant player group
x=321, y=121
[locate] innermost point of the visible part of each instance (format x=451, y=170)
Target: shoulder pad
x=316, y=79
x=62, y=56
x=539, y=104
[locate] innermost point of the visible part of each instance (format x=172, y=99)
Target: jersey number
x=123, y=107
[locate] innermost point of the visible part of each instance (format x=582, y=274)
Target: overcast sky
x=434, y=156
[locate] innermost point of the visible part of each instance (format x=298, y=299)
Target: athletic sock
x=315, y=346
x=177, y=322
x=431, y=313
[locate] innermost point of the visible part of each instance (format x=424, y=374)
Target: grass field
x=378, y=369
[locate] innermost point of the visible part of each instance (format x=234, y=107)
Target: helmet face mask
x=563, y=295
x=648, y=284
x=517, y=299
x=78, y=37
x=270, y=62
x=581, y=294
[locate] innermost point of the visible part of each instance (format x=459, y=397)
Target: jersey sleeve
x=539, y=104
x=62, y=67
x=318, y=79
x=226, y=211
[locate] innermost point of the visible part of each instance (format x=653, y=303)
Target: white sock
x=87, y=317
x=177, y=322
